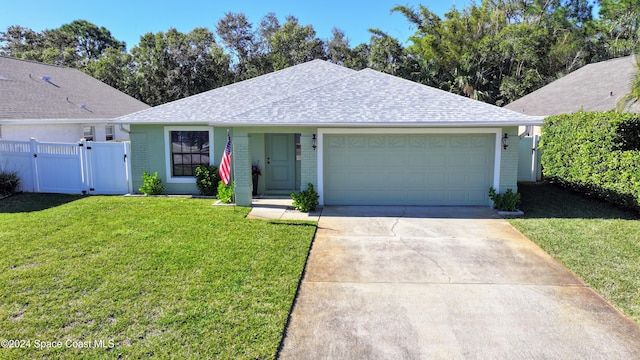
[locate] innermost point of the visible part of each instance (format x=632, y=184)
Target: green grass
x=160, y=277
x=597, y=241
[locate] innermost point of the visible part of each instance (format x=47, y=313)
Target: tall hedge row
x=597, y=153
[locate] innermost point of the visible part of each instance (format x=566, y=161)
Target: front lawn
x=597, y=241
x=138, y=277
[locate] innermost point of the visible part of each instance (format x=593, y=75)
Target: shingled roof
x=318, y=93
x=593, y=87
x=36, y=91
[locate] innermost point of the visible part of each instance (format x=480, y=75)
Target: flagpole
x=233, y=160
x=226, y=172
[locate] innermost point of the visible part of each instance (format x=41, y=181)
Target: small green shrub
x=306, y=200
x=9, y=182
x=207, y=179
x=151, y=185
x=506, y=202
x=225, y=192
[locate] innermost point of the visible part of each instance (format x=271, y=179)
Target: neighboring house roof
x=36, y=92
x=323, y=94
x=593, y=87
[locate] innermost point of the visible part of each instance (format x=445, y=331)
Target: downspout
x=527, y=131
x=123, y=129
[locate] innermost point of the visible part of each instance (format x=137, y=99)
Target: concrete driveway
x=444, y=283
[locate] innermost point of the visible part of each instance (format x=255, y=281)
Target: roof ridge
x=274, y=101
x=194, y=97
x=38, y=62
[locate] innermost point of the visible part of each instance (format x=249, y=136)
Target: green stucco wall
x=250, y=147
x=148, y=152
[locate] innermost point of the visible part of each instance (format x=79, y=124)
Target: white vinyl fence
x=80, y=168
x=529, y=168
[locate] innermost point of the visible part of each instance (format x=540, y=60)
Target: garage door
x=402, y=169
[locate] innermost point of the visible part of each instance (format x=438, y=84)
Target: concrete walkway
x=279, y=209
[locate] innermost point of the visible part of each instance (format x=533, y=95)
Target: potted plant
x=256, y=171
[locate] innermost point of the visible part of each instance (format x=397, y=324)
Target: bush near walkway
x=596, y=153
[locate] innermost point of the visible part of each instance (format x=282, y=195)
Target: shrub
x=225, y=192
x=151, y=185
x=9, y=182
x=506, y=202
x=207, y=179
x=306, y=200
x=594, y=153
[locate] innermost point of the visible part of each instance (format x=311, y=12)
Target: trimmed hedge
x=596, y=153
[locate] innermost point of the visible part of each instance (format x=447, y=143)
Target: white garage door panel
x=417, y=169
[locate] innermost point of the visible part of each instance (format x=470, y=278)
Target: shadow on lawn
x=29, y=202
x=546, y=200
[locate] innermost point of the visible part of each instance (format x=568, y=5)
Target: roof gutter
x=390, y=125
x=52, y=121
x=535, y=121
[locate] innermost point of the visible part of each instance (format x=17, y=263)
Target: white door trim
x=322, y=131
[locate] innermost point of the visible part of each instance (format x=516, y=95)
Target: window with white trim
x=109, y=132
x=88, y=133
x=187, y=148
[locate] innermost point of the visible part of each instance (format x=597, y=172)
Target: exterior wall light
x=505, y=141
x=314, y=142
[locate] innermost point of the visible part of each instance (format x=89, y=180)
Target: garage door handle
x=268, y=160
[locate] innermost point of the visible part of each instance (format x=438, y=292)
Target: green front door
x=280, y=151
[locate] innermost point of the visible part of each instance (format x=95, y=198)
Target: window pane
x=189, y=149
x=88, y=132
x=109, y=132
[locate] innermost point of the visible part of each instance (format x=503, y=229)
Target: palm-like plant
x=634, y=95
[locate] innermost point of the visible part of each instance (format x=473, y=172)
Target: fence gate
x=82, y=168
x=58, y=168
x=529, y=168
x=107, y=167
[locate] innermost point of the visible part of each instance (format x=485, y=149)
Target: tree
x=238, y=37
x=386, y=54
x=75, y=44
x=620, y=26
x=114, y=67
x=359, y=57
x=500, y=50
x=633, y=96
x=90, y=40
x=19, y=40
x=48, y=46
x=173, y=65
x=269, y=26
x=338, y=50
x=294, y=44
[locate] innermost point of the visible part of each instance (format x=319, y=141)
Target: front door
x=281, y=159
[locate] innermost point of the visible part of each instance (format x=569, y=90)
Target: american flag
x=225, y=163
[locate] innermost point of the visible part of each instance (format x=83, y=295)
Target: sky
x=129, y=19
